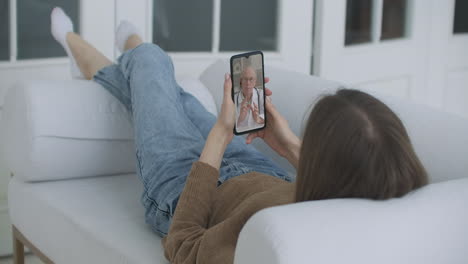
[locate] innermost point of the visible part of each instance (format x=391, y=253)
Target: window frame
x=376, y=27
x=215, y=51
x=13, y=61
x=456, y=34
x=293, y=51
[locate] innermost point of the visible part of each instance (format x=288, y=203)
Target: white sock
x=60, y=25
x=123, y=32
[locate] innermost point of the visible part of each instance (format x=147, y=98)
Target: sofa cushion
x=67, y=129
x=90, y=220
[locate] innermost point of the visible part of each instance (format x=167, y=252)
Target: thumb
x=251, y=137
x=227, y=87
x=270, y=107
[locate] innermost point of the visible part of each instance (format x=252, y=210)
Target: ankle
x=132, y=42
x=127, y=36
x=69, y=37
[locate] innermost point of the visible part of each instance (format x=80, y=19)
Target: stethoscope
x=258, y=97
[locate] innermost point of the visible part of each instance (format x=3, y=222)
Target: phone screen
x=248, y=91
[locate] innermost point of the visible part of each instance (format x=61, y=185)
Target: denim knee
x=145, y=56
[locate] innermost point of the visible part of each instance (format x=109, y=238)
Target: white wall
x=5, y=228
x=429, y=65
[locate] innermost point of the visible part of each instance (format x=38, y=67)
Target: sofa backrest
x=440, y=139
x=42, y=118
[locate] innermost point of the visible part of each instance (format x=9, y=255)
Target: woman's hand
x=277, y=133
x=222, y=132
x=227, y=115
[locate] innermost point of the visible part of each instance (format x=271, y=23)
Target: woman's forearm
x=293, y=150
x=215, y=145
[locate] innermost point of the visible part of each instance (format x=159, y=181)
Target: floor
x=29, y=259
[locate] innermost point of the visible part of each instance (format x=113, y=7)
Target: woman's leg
x=85, y=60
x=88, y=58
x=132, y=42
x=167, y=142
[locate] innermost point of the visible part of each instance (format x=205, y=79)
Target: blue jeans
x=170, y=128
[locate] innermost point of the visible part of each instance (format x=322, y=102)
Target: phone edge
x=263, y=83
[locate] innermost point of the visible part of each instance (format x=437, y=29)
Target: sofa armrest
x=65, y=129
x=427, y=226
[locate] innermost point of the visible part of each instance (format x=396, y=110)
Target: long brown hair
x=354, y=146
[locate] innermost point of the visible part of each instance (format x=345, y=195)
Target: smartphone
x=248, y=92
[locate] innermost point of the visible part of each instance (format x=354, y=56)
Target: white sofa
x=74, y=196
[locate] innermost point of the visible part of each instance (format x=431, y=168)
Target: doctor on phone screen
x=249, y=101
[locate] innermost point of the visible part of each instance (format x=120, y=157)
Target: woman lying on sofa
x=353, y=146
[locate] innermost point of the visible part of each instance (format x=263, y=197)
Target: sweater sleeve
x=189, y=239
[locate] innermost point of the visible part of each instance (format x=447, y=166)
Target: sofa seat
x=100, y=218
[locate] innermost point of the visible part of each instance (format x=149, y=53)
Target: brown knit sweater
x=208, y=219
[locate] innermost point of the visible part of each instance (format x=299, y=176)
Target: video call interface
x=247, y=74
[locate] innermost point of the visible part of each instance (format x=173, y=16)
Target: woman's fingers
x=267, y=79
x=268, y=92
x=227, y=114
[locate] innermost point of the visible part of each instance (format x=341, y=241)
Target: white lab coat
x=249, y=123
